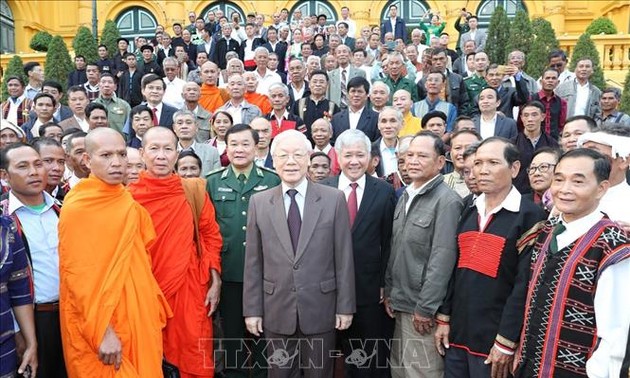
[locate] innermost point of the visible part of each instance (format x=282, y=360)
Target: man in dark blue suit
x=263, y=155
x=275, y=46
x=371, y=204
x=394, y=24
x=357, y=115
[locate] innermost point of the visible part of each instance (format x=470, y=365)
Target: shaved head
x=100, y=135
x=158, y=132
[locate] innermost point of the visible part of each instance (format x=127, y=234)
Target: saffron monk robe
x=186, y=263
x=111, y=309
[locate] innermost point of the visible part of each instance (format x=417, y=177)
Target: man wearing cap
x=149, y=63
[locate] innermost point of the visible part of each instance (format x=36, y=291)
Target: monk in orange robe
x=251, y=84
x=111, y=307
x=212, y=97
x=187, y=267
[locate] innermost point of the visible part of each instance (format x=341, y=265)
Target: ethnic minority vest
x=22, y=110
x=560, y=333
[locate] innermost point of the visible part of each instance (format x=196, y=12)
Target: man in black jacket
x=149, y=65
x=225, y=44
x=78, y=76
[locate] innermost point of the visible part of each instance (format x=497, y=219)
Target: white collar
x=158, y=107
x=512, y=202
x=344, y=181
x=357, y=112
x=584, y=223
x=383, y=146
x=301, y=187
x=325, y=149
x=15, y=204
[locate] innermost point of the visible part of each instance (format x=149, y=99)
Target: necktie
x=242, y=179
x=294, y=220
x=557, y=230
x=156, y=122
x=353, y=207
x=344, y=89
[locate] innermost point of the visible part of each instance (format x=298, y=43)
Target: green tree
x=585, y=48
x=544, y=41
x=625, y=96
x=602, y=25
x=109, y=36
x=85, y=44
x=498, y=34
x=40, y=41
x=521, y=34
x=14, y=68
x=58, y=62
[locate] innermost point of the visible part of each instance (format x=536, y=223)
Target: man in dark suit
x=167, y=49
x=342, y=28
x=275, y=46
x=298, y=282
x=371, y=204
x=129, y=82
x=490, y=122
x=509, y=96
x=358, y=115
x=153, y=88
x=224, y=44
x=208, y=45
x=394, y=24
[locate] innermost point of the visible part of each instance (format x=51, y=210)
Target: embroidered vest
x=22, y=110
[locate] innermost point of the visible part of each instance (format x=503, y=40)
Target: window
x=410, y=11
x=487, y=7
x=227, y=8
x=316, y=7
x=136, y=22
x=7, y=28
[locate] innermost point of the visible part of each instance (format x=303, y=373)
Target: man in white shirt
x=174, y=85
x=581, y=95
x=265, y=76
x=613, y=140
x=345, y=17
x=581, y=263
x=390, y=121
x=240, y=110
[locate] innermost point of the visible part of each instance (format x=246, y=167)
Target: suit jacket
x=568, y=91
x=222, y=47
x=256, y=43
x=371, y=236
x=456, y=92
x=161, y=55
x=399, y=32
x=504, y=127
x=69, y=123
x=334, y=85
x=312, y=284
x=350, y=42
x=480, y=40
x=209, y=157
x=130, y=93
x=202, y=48
x=368, y=123
x=281, y=51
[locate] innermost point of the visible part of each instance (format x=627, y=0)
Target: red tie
x=156, y=122
x=352, y=203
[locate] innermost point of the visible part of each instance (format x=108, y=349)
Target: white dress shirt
x=300, y=197
x=344, y=186
x=615, y=202
x=354, y=117
x=158, y=112
x=235, y=111
x=388, y=158
x=264, y=82
x=83, y=123
x=581, y=98
x=173, y=92
x=487, y=128
x=40, y=229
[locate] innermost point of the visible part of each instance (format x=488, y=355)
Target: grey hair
x=184, y=113
x=399, y=115
x=231, y=54
x=403, y=144
x=288, y=134
x=282, y=86
x=261, y=49
x=351, y=137
x=235, y=61
x=170, y=59
x=398, y=55
x=381, y=84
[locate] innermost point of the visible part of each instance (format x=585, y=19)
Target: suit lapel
x=369, y=194
x=310, y=218
x=279, y=221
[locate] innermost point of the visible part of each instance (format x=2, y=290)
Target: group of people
x=252, y=200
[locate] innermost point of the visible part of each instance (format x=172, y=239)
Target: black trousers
x=244, y=353
x=49, y=348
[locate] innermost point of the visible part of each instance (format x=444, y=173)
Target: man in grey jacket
x=422, y=258
x=581, y=95
x=241, y=110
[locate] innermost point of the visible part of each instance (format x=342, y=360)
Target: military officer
x=477, y=82
x=230, y=189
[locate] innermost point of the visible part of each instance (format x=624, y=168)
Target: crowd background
x=410, y=109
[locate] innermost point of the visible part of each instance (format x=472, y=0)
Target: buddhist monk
x=251, y=84
x=111, y=308
x=186, y=263
x=212, y=97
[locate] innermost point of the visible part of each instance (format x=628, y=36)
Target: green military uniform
x=118, y=111
x=474, y=85
x=231, y=200
x=402, y=83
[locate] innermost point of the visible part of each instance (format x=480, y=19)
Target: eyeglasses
x=542, y=168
